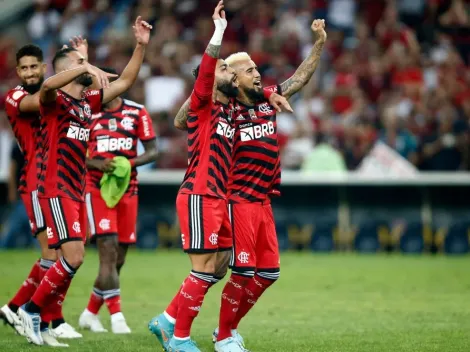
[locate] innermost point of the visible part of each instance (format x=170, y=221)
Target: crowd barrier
x=332, y=212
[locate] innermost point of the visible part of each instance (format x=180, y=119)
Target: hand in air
x=318, y=27
x=141, y=31
x=219, y=16
x=80, y=44
x=101, y=76
x=280, y=103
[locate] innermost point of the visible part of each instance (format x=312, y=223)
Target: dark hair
x=61, y=54
x=29, y=50
x=195, y=71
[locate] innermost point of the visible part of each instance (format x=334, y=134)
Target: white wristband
x=220, y=25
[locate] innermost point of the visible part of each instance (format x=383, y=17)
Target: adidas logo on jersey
x=240, y=118
x=225, y=130
x=257, y=131
x=98, y=127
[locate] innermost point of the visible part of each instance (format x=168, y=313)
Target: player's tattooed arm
x=307, y=68
x=213, y=50
x=181, y=119
x=149, y=155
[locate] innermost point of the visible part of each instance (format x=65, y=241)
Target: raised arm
x=307, y=68
x=130, y=73
x=204, y=84
x=48, y=91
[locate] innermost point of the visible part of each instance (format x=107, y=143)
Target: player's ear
x=44, y=67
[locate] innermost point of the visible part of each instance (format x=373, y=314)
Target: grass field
x=321, y=303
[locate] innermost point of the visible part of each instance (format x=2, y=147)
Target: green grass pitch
x=331, y=303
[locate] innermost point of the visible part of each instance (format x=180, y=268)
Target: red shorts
x=34, y=212
x=204, y=222
x=65, y=219
x=255, y=243
x=118, y=221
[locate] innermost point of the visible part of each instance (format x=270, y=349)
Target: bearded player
x=201, y=200
x=22, y=107
x=115, y=132
x=255, y=176
x=66, y=106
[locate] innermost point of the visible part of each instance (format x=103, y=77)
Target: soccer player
x=255, y=177
x=114, y=132
x=201, y=200
x=22, y=107
x=66, y=107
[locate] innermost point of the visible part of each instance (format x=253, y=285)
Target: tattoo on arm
x=213, y=50
x=304, y=72
x=181, y=119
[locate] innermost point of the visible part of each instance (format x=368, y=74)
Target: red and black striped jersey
x=256, y=169
x=116, y=133
x=65, y=134
x=27, y=130
x=210, y=134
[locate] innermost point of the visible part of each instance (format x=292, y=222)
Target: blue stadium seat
x=412, y=241
x=367, y=238
x=456, y=241
x=322, y=237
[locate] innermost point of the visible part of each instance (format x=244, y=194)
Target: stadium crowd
x=395, y=71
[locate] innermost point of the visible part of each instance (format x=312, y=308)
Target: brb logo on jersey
x=257, y=131
x=114, y=144
x=225, y=130
x=79, y=133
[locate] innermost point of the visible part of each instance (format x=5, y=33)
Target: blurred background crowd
x=394, y=71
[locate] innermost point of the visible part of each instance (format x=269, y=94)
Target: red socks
x=253, y=291
x=28, y=287
x=56, y=281
x=230, y=304
x=96, y=301
x=112, y=298
x=172, y=309
x=190, y=301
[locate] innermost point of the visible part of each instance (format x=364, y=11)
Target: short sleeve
x=95, y=99
x=145, y=127
x=13, y=100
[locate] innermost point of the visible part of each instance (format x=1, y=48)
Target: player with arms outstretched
x=114, y=132
x=22, y=107
x=66, y=106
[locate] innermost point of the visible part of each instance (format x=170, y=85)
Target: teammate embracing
x=66, y=106
x=255, y=176
x=114, y=132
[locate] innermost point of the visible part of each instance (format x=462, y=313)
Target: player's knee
x=49, y=254
x=269, y=274
x=75, y=260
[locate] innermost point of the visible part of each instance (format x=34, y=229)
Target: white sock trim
x=169, y=318
x=117, y=316
x=181, y=338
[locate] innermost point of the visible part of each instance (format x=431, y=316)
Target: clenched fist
x=318, y=27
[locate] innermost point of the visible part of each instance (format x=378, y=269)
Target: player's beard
x=33, y=88
x=228, y=89
x=85, y=80
x=254, y=95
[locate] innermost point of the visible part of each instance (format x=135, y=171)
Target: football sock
x=253, y=291
x=172, y=309
x=230, y=304
x=58, y=278
x=190, y=301
x=27, y=289
x=112, y=298
x=96, y=301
